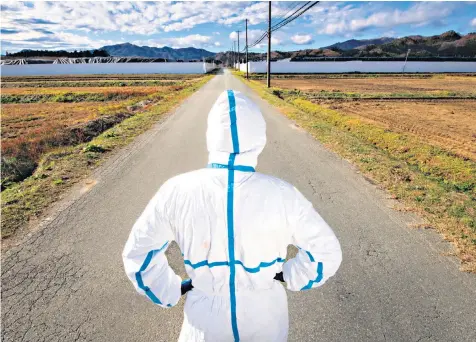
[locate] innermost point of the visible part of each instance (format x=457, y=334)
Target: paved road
x=66, y=282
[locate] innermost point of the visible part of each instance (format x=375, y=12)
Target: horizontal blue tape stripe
x=140, y=282
x=261, y=265
x=318, y=278
x=206, y=263
x=242, y=168
x=237, y=262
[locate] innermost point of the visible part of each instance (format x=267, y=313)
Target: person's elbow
x=335, y=260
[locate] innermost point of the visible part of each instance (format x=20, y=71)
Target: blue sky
x=211, y=25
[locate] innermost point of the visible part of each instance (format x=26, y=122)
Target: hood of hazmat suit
x=233, y=226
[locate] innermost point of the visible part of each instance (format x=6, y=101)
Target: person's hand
x=279, y=276
x=186, y=286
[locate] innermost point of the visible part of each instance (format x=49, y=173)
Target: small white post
x=404, y=64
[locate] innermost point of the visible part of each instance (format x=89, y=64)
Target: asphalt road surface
x=66, y=282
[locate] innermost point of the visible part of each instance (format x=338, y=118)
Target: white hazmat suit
x=233, y=226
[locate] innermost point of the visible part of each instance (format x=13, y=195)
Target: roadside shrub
x=94, y=148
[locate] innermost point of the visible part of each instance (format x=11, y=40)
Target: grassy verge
x=337, y=95
x=61, y=168
x=353, y=75
x=66, y=97
x=438, y=185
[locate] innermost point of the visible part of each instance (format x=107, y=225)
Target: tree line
x=59, y=53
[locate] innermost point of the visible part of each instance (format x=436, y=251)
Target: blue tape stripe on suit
x=242, y=168
x=237, y=262
x=233, y=126
x=311, y=258
x=318, y=278
x=144, y=266
x=229, y=212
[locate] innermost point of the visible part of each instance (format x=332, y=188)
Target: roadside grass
x=67, y=97
x=340, y=95
x=64, y=166
x=431, y=181
x=255, y=76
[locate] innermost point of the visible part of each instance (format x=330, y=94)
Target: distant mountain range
x=356, y=43
x=448, y=44
x=131, y=50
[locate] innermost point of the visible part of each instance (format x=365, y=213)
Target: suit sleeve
x=144, y=257
x=319, y=254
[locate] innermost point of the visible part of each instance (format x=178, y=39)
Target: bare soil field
x=450, y=125
x=447, y=122
x=437, y=83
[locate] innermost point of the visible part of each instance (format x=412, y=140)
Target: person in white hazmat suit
x=233, y=226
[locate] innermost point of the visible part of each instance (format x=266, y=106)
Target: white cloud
x=217, y=44
x=193, y=40
x=304, y=39
x=40, y=38
x=349, y=19
x=138, y=17
x=87, y=22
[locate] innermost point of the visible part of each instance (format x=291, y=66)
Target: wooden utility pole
x=269, y=46
x=246, y=41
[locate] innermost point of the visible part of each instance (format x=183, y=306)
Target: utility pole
x=269, y=46
x=238, y=47
x=246, y=41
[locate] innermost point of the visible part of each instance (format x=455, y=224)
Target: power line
x=265, y=34
x=290, y=10
x=296, y=14
x=290, y=19
x=292, y=6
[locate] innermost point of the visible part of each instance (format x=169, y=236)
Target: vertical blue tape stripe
x=233, y=126
x=229, y=213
